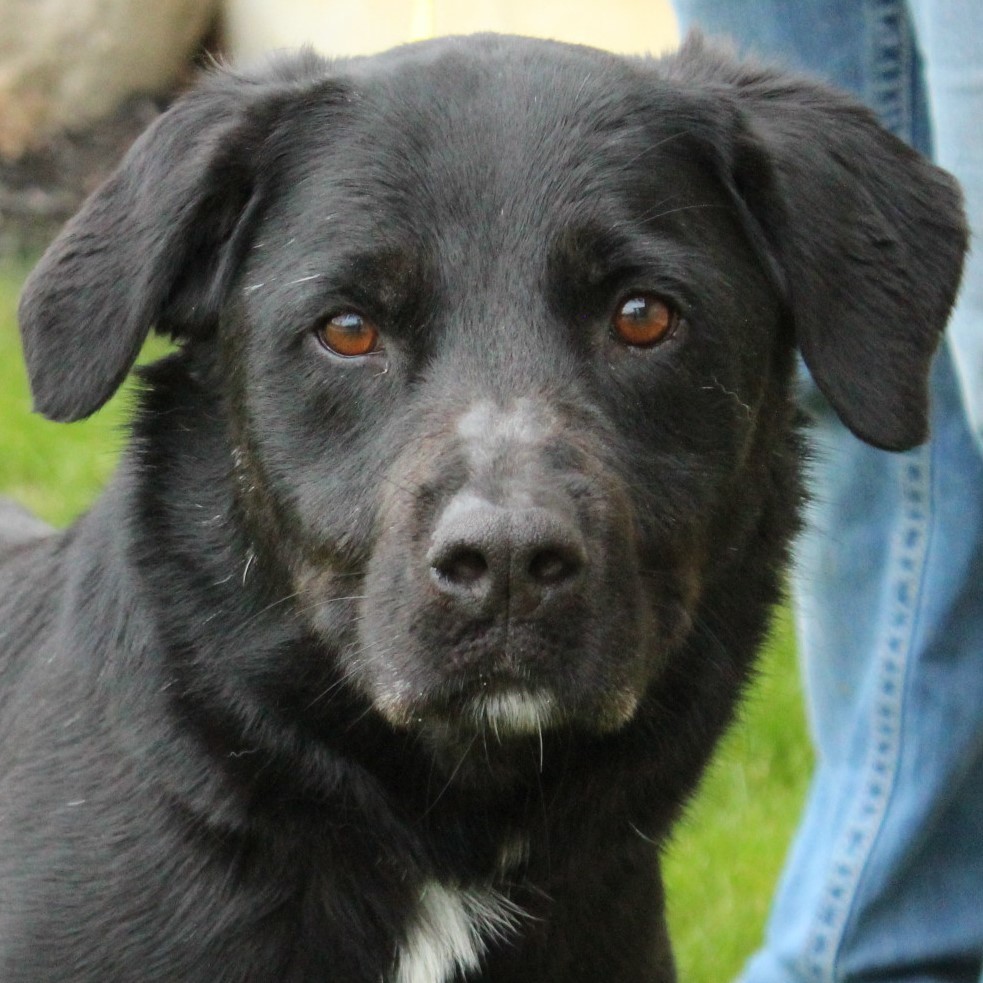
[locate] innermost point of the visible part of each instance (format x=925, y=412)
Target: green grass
x=56, y=469
x=725, y=856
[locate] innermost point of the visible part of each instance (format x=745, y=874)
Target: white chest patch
x=450, y=931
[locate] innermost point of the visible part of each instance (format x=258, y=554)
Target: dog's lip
x=493, y=699
x=506, y=710
x=514, y=712
x=486, y=686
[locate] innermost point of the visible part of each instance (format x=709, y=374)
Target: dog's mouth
x=514, y=711
x=507, y=708
x=503, y=705
x=506, y=713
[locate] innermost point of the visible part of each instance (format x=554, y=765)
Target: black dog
x=443, y=546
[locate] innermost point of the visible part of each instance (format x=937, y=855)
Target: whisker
x=453, y=775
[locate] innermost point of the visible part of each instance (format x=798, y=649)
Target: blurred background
x=79, y=79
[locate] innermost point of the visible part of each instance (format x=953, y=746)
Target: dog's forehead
x=504, y=82
x=501, y=170
x=454, y=132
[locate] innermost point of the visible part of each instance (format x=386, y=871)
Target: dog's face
x=490, y=369
x=504, y=332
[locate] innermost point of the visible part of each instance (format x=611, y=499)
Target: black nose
x=490, y=558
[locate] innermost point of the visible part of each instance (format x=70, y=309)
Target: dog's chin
x=510, y=714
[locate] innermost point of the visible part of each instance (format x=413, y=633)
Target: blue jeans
x=884, y=881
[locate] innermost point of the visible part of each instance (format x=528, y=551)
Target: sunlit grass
x=726, y=855
x=56, y=469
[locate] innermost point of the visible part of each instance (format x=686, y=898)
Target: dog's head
x=504, y=332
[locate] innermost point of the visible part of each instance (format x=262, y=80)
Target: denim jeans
x=884, y=881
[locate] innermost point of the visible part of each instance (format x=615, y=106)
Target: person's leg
x=950, y=35
x=885, y=878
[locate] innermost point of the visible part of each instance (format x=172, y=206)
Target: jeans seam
x=890, y=58
x=850, y=859
x=890, y=61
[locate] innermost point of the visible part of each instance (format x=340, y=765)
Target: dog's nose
x=490, y=558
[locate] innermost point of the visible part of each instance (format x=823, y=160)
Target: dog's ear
x=155, y=246
x=868, y=236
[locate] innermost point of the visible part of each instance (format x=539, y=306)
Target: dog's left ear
x=868, y=236
x=155, y=246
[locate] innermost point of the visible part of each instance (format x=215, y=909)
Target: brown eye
x=644, y=320
x=349, y=335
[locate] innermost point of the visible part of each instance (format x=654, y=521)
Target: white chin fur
x=514, y=712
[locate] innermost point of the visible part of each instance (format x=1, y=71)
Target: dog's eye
x=644, y=320
x=349, y=335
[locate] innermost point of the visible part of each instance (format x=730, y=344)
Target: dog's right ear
x=155, y=246
x=867, y=236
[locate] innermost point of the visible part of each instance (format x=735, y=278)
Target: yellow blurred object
x=255, y=27
x=423, y=22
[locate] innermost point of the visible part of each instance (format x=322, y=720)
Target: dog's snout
x=491, y=558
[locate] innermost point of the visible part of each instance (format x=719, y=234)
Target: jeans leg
x=950, y=36
x=864, y=46
x=885, y=879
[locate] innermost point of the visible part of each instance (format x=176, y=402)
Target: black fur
x=235, y=742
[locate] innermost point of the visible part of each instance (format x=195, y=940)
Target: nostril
x=550, y=566
x=490, y=559
x=463, y=567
